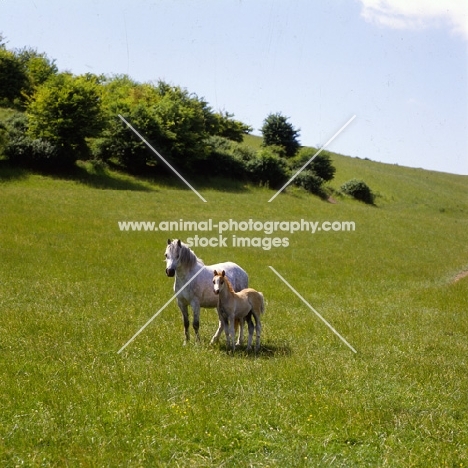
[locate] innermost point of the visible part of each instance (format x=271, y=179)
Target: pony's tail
x=262, y=307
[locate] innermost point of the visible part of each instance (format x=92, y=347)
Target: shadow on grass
x=10, y=173
x=114, y=178
x=99, y=177
x=168, y=179
x=83, y=172
x=267, y=350
x=220, y=184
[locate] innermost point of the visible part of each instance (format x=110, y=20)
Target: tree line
x=57, y=118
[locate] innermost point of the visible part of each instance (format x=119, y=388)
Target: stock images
x=233, y=234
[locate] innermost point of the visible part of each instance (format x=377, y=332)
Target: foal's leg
x=240, y=338
x=258, y=328
x=184, y=309
x=232, y=332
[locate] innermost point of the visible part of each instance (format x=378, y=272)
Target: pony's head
x=179, y=255
x=220, y=281
x=172, y=256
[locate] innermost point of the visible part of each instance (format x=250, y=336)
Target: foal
x=234, y=306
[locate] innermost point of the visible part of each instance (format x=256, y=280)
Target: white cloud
x=418, y=14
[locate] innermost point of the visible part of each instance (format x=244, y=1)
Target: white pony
x=182, y=262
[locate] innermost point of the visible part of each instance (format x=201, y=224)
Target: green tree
x=178, y=124
x=13, y=77
x=135, y=101
x=37, y=66
x=277, y=131
x=65, y=111
x=225, y=126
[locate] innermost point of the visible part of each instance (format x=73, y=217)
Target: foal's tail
x=262, y=303
x=257, y=302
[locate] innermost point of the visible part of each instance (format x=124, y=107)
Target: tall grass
x=74, y=289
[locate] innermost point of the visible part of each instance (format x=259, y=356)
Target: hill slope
x=74, y=289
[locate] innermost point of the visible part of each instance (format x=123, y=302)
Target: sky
x=399, y=66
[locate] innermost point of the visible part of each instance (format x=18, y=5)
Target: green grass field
x=74, y=289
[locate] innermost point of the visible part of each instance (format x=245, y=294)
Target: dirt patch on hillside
x=461, y=275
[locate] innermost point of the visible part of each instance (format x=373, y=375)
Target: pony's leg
x=196, y=318
x=216, y=336
x=184, y=309
x=251, y=330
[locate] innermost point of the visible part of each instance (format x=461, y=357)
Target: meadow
x=74, y=289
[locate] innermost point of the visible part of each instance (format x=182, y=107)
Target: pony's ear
x=179, y=243
x=169, y=241
x=223, y=273
x=215, y=273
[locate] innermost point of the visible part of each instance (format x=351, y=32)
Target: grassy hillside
x=74, y=289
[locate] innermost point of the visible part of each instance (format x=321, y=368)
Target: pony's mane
x=188, y=257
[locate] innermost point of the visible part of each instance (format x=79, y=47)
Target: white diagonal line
x=157, y=154
x=312, y=158
x=313, y=310
x=159, y=311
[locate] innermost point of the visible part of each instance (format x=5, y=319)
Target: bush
x=311, y=182
x=222, y=160
x=267, y=168
x=321, y=165
x=117, y=141
x=66, y=111
x=26, y=151
x=176, y=122
x=359, y=190
x=34, y=153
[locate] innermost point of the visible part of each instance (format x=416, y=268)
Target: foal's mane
x=229, y=285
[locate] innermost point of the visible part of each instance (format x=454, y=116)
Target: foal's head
x=220, y=281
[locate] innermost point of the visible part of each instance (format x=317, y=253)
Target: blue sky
x=400, y=66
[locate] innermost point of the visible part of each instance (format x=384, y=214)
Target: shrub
x=311, y=182
x=65, y=111
x=321, y=165
x=176, y=122
x=243, y=153
x=23, y=150
x=34, y=153
x=222, y=160
x=359, y=190
x=267, y=168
